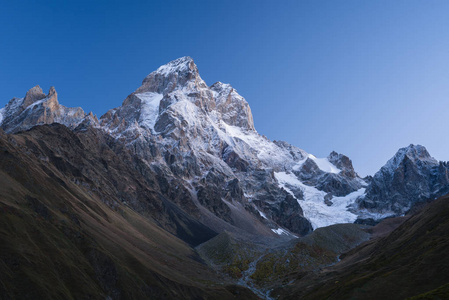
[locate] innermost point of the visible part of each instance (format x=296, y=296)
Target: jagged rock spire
x=34, y=94
x=52, y=92
x=36, y=108
x=233, y=108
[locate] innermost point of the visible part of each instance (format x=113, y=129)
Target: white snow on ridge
x=150, y=109
x=266, y=150
x=262, y=214
x=180, y=65
x=281, y=231
x=315, y=210
x=188, y=111
x=323, y=163
x=362, y=182
x=344, y=201
x=31, y=106
x=1, y=115
x=10, y=108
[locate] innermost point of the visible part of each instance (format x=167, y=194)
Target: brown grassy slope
x=409, y=261
x=62, y=236
x=106, y=168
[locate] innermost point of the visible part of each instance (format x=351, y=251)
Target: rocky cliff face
x=199, y=144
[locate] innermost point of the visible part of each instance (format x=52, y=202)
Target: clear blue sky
x=363, y=78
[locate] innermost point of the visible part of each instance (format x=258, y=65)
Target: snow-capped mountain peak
x=174, y=96
x=180, y=65
x=415, y=153
x=409, y=177
x=181, y=73
x=177, y=113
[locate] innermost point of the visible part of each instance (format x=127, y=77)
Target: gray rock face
x=410, y=177
x=233, y=108
x=342, y=162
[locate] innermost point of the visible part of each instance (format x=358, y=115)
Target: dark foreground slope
x=410, y=261
x=66, y=234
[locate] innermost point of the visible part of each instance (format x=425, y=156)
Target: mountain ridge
x=203, y=137
x=174, y=194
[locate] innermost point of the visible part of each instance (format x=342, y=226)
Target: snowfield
x=315, y=210
x=149, y=109
x=323, y=164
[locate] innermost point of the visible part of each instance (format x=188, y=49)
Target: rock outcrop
x=36, y=108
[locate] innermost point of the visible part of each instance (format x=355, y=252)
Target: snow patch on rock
x=149, y=109
x=323, y=164
x=281, y=231
x=262, y=214
x=267, y=151
x=315, y=209
x=2, y=110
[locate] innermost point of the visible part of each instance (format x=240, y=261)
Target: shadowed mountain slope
x=65, y=235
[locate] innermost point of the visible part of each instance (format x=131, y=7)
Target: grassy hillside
x=410, y=261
